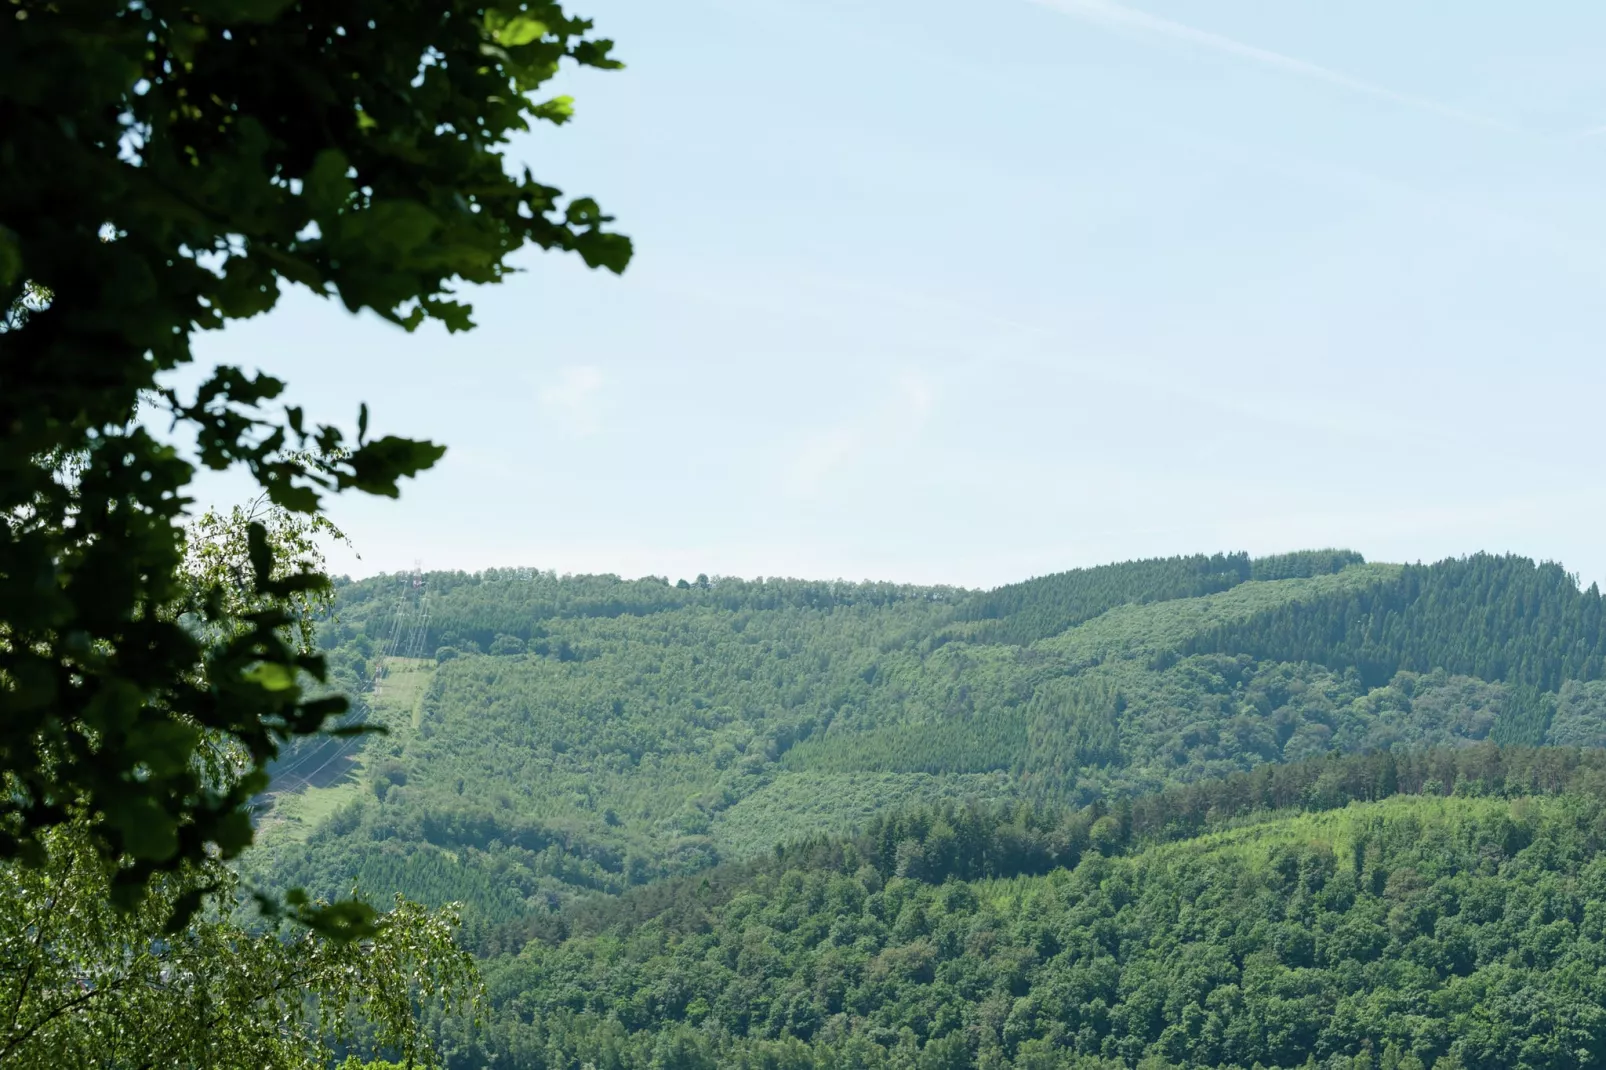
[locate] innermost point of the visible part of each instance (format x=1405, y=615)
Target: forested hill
x=1440, y=910
x=472, y=611
x=1039, y=608
x=567, y=737
x=1495, y=618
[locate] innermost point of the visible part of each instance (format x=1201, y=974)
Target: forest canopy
x=772, y=822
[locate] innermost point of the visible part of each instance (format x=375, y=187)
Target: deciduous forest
x=1209, y=811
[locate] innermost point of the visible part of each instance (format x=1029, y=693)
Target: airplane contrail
x=1120, y=17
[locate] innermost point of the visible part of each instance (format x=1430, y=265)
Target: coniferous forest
x=1210, y=811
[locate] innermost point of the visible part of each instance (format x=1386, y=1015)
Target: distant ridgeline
x=1496, y=618
x=564, y=738
x=1037, y=609
x=469, y=612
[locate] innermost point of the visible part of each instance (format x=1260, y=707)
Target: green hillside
x=573, y=736
x=1206, y=811
x=1443, y=910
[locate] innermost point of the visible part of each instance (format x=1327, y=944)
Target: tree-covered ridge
x=608, y=749
x=1048, y=605
x=1494, y=617
x=1303, y=564
x=601, y=763
x=1460, y=927
x=971, y=840
x=1156, y=630
x=605, y=788
x=473, y=610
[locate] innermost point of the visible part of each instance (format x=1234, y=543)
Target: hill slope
x=577, y=736
x=1415, y=930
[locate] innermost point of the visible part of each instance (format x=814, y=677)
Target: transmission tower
x=420, y=631
x=404, y=623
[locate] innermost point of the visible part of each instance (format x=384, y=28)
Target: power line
x=408, y=637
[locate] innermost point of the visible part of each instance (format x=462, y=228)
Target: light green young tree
x=83, y=984
x=217, y=557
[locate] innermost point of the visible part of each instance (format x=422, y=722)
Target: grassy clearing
x=398, y=705
x=398, y=702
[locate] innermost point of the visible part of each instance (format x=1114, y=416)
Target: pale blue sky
x=950, y=292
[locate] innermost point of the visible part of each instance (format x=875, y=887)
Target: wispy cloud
x=879, y=433
x=916, y=397
x=822, y=456
x=572, y=399
x=1120, y=17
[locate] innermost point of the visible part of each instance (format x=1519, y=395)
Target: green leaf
x=346, y=920
x=296, y=499
x=166, y=747
x=602, y=250
x=358, y=730
x=233, y=832
x=393, y=228
x=327, y=186
x=185, y=908
x=515, y=31
x=114, y=705
x=558, y=110
x=260, y=552
x=248, y=288
x=320, y=710
x=272, y=676
x=376, y=466
x=148, y=833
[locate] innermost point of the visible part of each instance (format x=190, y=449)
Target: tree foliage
x=1494, y=617
x=217, y=557
x=602, y=771
x=1038, y=608
x=86, y=985
x=167, y=167
x=1441, y=923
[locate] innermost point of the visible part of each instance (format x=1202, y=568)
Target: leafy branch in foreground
x=166, y=167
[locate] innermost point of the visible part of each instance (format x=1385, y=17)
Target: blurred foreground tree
x=167, y=166
x=86, y=985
